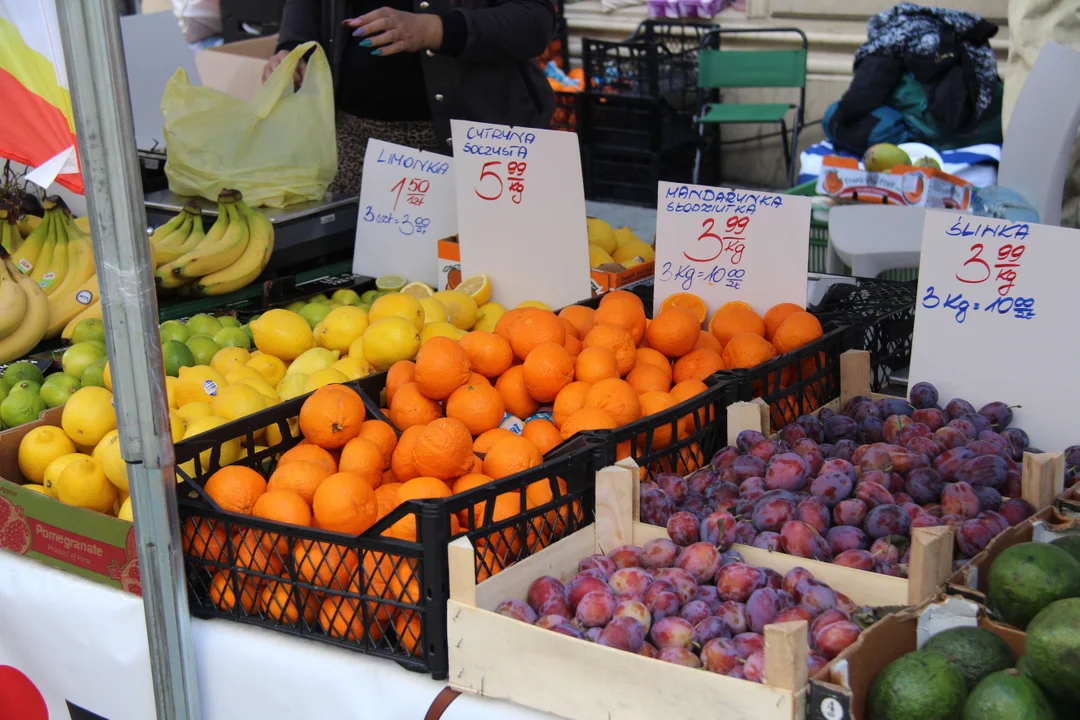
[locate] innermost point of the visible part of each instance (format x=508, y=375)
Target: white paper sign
x=521, y=212
x=994, y=320
x=406, y=206
x=724, y=244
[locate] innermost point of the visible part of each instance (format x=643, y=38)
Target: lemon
x=534, y=304
x=478, y=287
x=625, y=236
x=326, y=376
x=631, y=263
x=398, y=305
x=487, y=315
x=418, y=290
x=237, y=401
x=239, y=372
x=170, y=390
x=107, y=374
x=633, y=250
x=602, y=235
x=292, y=386
x=124, y=513
x=353, y=368
x=312, y=361
x=107, y=453
x=273, y=433
x=356, y=350
x=83, y=484
x=461, y=307
x=389, y=340
x=40, y=489
x=440, y=329
x=263, y=387
x=282, y=333
x=341, y=327
x=88, y=416
x=225, y=358
x=434, y=311
x=391, y=283
x=230, y=449
x=52, y=472
x=193, y=411
x=598, y=257
x=39, y=448
x=177, y=426
x=271, y=368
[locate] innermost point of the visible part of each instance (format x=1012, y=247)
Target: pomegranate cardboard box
x=842, y=178
x=81, y=541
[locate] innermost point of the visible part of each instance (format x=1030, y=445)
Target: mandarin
x=618, y=341
x=617, y=398
x=411, y=407
x=648, y=356
x=674, y=332
x=546, y=371
x=594, y=364
x=572, y=344
x=707, y=341
x=258, y=550
x=442, y=366
x=324, y=564
x=331, y=416
x=340, y=617
x=571, y=329
x=443, y=449
x=798, y=329
x=516, y=397
x=235, y=488
x=581, y=317
x=689, y=302
x=383, y=435
x=697, y=365
x=364, y=458
x=309, y=452
x=345, y=503
x=464, y=484
x=479, y=407
x=776, y=315
x=284, y=506
x=387, y=497
x=686, y=390
x=587, y=418
x=623, y=309
x=204, y=538
x=507, y=321
x=569, y=401
x=510, y=456
x=281, y=603
x=224, y=586
x=419, y=488
x=401, y=462
x=489, y=354
x=535, y=327
x=485, y=440
x=747, y=350
x=543, y=433
x=733, y=318
x=408, y=628
x=299, y=476
x=648, y=378
x=400, y=373
x=651, y=404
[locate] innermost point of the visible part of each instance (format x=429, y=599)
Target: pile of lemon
x=620, y=248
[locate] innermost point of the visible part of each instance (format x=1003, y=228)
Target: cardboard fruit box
x=81, y=541
x=842, y=178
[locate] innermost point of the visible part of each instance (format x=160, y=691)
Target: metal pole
x=93, y=50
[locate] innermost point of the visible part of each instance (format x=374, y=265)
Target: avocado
x=1008, y=695
x=1070, y=544
x=1027, y=577
x=975, y=652
x=923, y=685
x=1052, y=650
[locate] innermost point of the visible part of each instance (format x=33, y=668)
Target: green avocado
x=1027, y=577
x=975, y=652
x=1070, y=544
x=923, y=685
x=1008, y=695
x=1052, y=650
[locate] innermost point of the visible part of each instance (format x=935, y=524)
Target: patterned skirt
x=352, y=139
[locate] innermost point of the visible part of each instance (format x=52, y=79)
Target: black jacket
x=493, y=79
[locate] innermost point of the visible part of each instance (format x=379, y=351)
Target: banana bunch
x=228, y=256
x=10, y=237
x=24, y=311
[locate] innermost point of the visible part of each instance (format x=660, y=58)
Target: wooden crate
x=496, y=656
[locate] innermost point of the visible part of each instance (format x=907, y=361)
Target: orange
x=572, y=344
x=345, y=503
x=485, y=440
x=684, y=391
x=581, y=317
x=571, y=329
x=409, y=631
x=707, y=341
x=689, y=302
x=651, y=404
x=535, y=327
x=648, y=378
x=387, y=477
x=235, y=488
x=204, y=538
x=478, y=462
x=505, y=545
x=312, y=453
x=383, y=435
x=281, y=603
x=697, y=365
x=617, y=398
x=479, y=407
x=569, y=401
x=443, y=449
x=464, y=484
x=299, y=476
x=747, y=350
x=364, y=458
x=387, y=497
x=400, y=373
x=478, y=379
x=259, y=550
x=516, y=397
x=547, y=370
x=800, y=328
x=618, y=341
x=284, y=506
x=648, y=356
x=323, y=564
x=674, y=332
x=340, y=617
x=223, y=589
x=331, y=416
x=510, y=456
x=419, y=488
x=776, y=315
x=587, y=418
x=489, y=354
x=594, y=364
x=442, y=366
x=401, y=462
x=506, y=323
x=623, y=309
x=733, y=318
x=411, y=407
x=542, y=433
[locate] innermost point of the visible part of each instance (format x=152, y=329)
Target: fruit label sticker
x=726, y=245
x=84, y=297
x=406, y=204
x=210, y=387
x=521, y=212
x=993, y=303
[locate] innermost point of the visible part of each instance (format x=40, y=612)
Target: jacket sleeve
x=299, y=23
x=512, y=31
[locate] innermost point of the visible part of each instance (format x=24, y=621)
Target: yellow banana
x=211, y=257
x=27, y=224
x=12, y=299
x=167, y=229
x=194, y=236
x=34, y=323
x=93, y=311
x=250, y=264
x=70, y=303
x=166, y=278
x=177, y=237
x=45, y=257
x=10, y=237
x=80, y=270
x=53, y=276
x=27, y=255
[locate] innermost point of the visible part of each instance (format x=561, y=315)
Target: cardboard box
x=81, y=541
x=841, y=178
x=236, y=68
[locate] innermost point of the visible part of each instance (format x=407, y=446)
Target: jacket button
x=429, y=53
x=449, y=141
x=438, y=97
x=425, y=5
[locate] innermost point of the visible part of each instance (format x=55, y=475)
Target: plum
x=901, y=498
x=923, y=395
x=753, y=484
x=694, y=611
x=626, y=556
x=630, y=581
x=708, y=595
x=815, y=663
x=802, y=540
x=926, y=520
x=663, y=604
x=811, y=427
x=725, y=457
x=793, y=614
x=734, y=616
x=787, y=471
x=931, y=417
x=989, y=498
x=595, y=608
x=684, y=528
x=748, y=466
x=839, y=465
x=697, y=481
x=754, y=667
x=1014, y=483
x=974, y=535
x=762, y=608
x=768, y=540
x=629, y=607
x=719, y=655
x=542, y=589
x=696, y=505
x=793, y=577
x=889, y=406
x=747, y=643
x=671, y=632
x=997, y=520
x=858, y=559
x=737, y=582
x=988, y=470
x=730, y=556
x=871, y=430
x=863, y=410
x=593, y=634
x=745, y=533
x=959, y=498
x=718, y=529
x=998, y=414
x=952, y=519
x=598, y=562
x=924, y=485
x=672, y=484
x=682, y=583
x=546, y=622
x=765, y=449
x=517, y=610
x=850, y=512
x=834, y=638
x=845, y=449
x=581, y=585
x=566, y=628
x=791, y=433
x=710, y=628
x=556, y=605
x=657, y=507
x=911, y=431
x=846, y=537
x=964, y=425
x=773, y=579
x=874, y=457
x=648, y=650
x=701, y=560
x=849, y=406
x=623, y=633
x=893, y=425
x=721, y=490
x=923, y=446
x=832, y=487
x=772, y=513
x=828, y=617
x=947, y=438
x=815, y=513
x=747, y=438
x=913, y=511
x=980, y=424
x=816, y=597
x=659, y=552
x=872, y=494
x=885, y=520
x=1016, y=510
x=658, y=586
x=679, y=656
x=843, y=602
x=839, y=427
x=887, y=549
x=958, y=407
x=949, y=462
x=810, y=451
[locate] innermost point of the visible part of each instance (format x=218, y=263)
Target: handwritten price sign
x=991, y=319
x=723, y=244
x=407, y=203
x=521, y=210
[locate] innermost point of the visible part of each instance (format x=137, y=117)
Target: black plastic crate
x=629, y=176
x=567, y=111
x=881, y=314
x=611, y=122
x=378, y=594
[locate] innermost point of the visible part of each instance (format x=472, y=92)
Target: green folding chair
x=726, y=69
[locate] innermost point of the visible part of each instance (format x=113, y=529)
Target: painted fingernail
x=376, y=51
x=365, y=43
x=358, y=32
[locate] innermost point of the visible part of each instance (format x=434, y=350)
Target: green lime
x=28, y=385
x=335, y=305
x=94, y=376
x=88, y=329
x=366, y=307
x=228, y=321
x=3, y=391
x=391, y=283
x=314, y=313
x=295, y=306
x=319, y=298
x=247, y=331
x=23, y=370
x=369, y=296
x=174, y=330
x=176, y=355
x=21, y=406
x=203, y=349
x=56, y=395
x=232, y=337
x=203, y=324
x=345, y=297
x=100, y=345
x=79, y=356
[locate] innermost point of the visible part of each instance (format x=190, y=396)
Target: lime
x=369, y=296
x=21, y=406
x=174, y=330
x=228, y=321
x=366, y=307
x=232, y=337
x=3, y=391
x=296, y=305
x=22, y=371
x=319, y=298
x=88, y=329
x=345, y=297
x=314, y=313
x=94, y=376
x=203, y=324
x=391, y=283
x=57, y=388
x=251, y=335
x=62, y=379
x=26, y=385
x=176, y=355
x=79, y=356
x=203, y=349
x=99, y=344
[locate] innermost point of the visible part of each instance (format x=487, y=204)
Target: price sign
x=992, y=319
x=406, y=205
x=521, y=212
x=723, y=244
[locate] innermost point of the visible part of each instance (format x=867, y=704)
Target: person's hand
x=392, y=31
x=276, y=59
